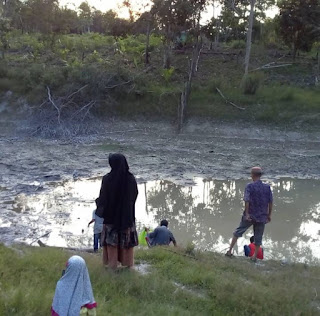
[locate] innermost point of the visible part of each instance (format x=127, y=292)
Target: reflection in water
x=205, y=214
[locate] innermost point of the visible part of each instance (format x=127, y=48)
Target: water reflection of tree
x=296, y=203
x=216, y=212
x=175, y=203
x=199, y=221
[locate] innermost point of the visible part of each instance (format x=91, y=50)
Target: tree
x=145, y=24
x=66, y=21
x=299, y=23
x=85, y=17
x=173, y=17
x=239, y=10
x=11, y=10
x=39, y=15
x=249, y=38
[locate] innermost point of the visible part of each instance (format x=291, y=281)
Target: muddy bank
x=155, y=151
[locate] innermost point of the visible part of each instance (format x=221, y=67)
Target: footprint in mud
x=52, y=177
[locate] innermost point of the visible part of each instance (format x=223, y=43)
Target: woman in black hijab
x=117, y=199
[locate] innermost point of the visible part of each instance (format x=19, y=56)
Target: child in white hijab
x=73, y=295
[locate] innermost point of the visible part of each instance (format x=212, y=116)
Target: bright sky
x=116, y=5
x=105, y=5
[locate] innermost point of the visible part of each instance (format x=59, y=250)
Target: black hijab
x=118, y=194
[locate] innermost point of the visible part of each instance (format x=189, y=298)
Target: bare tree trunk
x=317, y=80
x=167, y=49
x=217, y=24
x=249, y=38
x=22, y=25
x=185, y=94
x=167, y=56
x=294, y=52
x=217, y=36
x=147, y=44
x=213, y=17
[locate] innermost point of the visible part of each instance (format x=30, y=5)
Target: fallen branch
x=203, y=52
x=271, y=66
x=91, y=103
x=41, y=244
x=72, y=94
x=229, y=102
x=120, y=84
x=38, y=238
x=88, y=110
x=53, y=103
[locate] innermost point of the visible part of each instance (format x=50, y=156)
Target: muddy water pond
x=205, y=213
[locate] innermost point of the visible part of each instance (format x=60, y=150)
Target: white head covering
x=73, y=289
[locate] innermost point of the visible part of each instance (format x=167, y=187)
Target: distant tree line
x=298, y=21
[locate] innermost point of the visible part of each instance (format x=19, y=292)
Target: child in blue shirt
x=97, y=230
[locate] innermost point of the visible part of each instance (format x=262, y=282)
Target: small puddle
x=205, y=213
x=143, y=268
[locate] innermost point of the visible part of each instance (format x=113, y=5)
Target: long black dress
x=117, y=199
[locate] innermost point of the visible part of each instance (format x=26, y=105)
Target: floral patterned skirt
x=127, y=238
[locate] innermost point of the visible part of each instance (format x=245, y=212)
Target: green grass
x=271, y=104
x=177, y=284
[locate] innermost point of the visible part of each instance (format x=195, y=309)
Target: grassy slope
x=210, y=284
x=285, y=94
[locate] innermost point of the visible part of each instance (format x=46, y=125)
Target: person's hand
x=248, y=218
x=88, y=224
x=269, y=218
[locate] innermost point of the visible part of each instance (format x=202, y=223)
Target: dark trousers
x=96, y=241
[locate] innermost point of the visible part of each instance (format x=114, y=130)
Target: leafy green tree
x=11, y=9
x=120, y=27
x=98, y=25
x=299, y=23
x=173, y=17
x=39, y=15
x=233, y=20
x=66, y=21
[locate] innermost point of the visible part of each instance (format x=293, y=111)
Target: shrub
x=167, y=74
x=5, y=84
x=287, y=94
x=251, y=83
x=190, y=249
x=241, y=44
x=54, y=77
